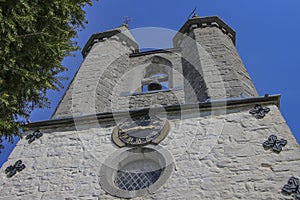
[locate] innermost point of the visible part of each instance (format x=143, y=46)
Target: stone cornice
x=116, y=34
x=137, y=54
x=203, y=22
x=202, y=107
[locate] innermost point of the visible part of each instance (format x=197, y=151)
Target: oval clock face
x=142, y=131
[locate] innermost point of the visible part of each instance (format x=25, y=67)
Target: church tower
x=178, y=123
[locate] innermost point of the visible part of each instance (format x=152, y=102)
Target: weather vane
x=126, y=20
x=193, y=13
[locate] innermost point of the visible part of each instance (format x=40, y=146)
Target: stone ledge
x=202, y=107
x=169, y=50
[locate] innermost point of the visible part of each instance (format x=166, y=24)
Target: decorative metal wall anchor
x=259, y=112
x=35, y=135
x=275, y=144
x=13, y=169
x=292, y=187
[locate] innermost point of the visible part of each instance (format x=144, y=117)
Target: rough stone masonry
x=213, y=148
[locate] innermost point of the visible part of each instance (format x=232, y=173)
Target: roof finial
x=126, y=21
x=193, y=13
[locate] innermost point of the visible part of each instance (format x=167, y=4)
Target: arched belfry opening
x=157, y=76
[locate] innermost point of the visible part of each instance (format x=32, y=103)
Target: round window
x=136, y=172
x=137, y=175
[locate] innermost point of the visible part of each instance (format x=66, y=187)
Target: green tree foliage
x=35, y=36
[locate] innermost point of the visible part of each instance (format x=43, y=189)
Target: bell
x=154, y=85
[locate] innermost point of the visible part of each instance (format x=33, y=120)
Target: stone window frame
x=123, y=156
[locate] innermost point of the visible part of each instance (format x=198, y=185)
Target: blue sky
x=267, y=40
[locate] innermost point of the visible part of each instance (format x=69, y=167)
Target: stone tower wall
x=218, y=156
x=122, y=82
x=222, y=51
x=79, y=98
x=208, y=44
x=205, y=65
x=110, y=77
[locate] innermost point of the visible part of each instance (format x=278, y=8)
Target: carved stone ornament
x=292, y=187
x=259, y=112
x=275, y=144
x=140, y=130
x=35, y=135
x=11, y=170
